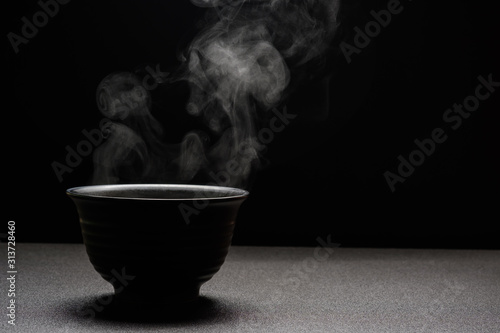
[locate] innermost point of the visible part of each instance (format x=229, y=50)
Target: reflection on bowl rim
x=89, y=192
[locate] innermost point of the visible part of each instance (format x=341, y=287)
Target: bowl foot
x=157, y=298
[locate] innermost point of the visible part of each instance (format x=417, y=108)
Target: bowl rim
x=88, y=192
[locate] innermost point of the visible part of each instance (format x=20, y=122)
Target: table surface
x=266, y=289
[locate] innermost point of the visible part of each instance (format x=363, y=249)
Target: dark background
x=324, y=173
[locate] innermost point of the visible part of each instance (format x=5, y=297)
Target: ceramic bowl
x=154, y=243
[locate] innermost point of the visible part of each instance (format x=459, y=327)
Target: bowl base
x=157, y=298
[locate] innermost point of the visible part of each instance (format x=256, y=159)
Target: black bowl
x=157, y=244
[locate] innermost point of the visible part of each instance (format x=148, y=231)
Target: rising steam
x=239, y=67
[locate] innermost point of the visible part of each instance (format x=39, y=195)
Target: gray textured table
x=265, y=289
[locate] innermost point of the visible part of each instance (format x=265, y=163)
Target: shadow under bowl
x=157, y=243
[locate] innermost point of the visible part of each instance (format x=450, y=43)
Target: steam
x=239, y=67
x=135, y=149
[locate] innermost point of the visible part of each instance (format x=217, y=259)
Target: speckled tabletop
x=264, y=289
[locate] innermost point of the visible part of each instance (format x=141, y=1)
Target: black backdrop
x=324, y=174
